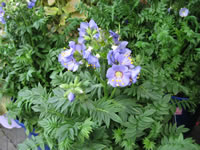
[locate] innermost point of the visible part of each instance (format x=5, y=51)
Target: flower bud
x=71, y=96
x=97, y=55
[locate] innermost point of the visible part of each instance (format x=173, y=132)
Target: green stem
x=113, y=93
x=103, y=83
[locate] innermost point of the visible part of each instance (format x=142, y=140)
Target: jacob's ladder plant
x=99, y=103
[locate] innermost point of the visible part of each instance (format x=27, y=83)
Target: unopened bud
x=89, y=31
x=87, y=38
x=90, y=48
x=97, y=55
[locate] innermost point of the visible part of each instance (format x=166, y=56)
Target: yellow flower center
x=118, y=74
x=63, y=54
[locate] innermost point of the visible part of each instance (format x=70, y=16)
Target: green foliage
x=177, y=143
x=32, y=144
x=29, y=51
x=102, y=117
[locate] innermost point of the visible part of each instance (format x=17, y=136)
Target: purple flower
x=93, y=61
x=2, y=20
x=134, y=73
x=31, y=3
x=125, y=60
x=2, y=12
x=183, y=12
x=87, y=52
x=87, y=30
x=120, y=55
x=115, y=37
x=118, y=75
x=111, y=57
x=71, y=58
x=122, y=48
x=169, y=9
x=3, y=4
x=71, y=97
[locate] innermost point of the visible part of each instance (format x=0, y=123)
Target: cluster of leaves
x=122, y=121
x=63, y=9
x=29, y=49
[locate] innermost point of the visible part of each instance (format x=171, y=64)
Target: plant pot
x=182, y=116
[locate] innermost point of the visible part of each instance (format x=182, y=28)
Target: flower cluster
x=123, y=72
x=88, y=31
x=75, y=56
x=31, y=3
x=72, y=58
x=2, y=13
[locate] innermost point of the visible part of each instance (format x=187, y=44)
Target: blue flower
x=111, y=57
x=115, y=37
x=121, y=48
x=71, y=58
x=71, y=97
x=93, y=61
x=2, y=20
x=87, y=52
x=2, y=12
x=87, y=30
x=3, y=4
x=183, y=12
x=120, y=55
x=125, y=60
x=31, y=3
x=118, y=75
x=134, y=74
x=169, y=9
